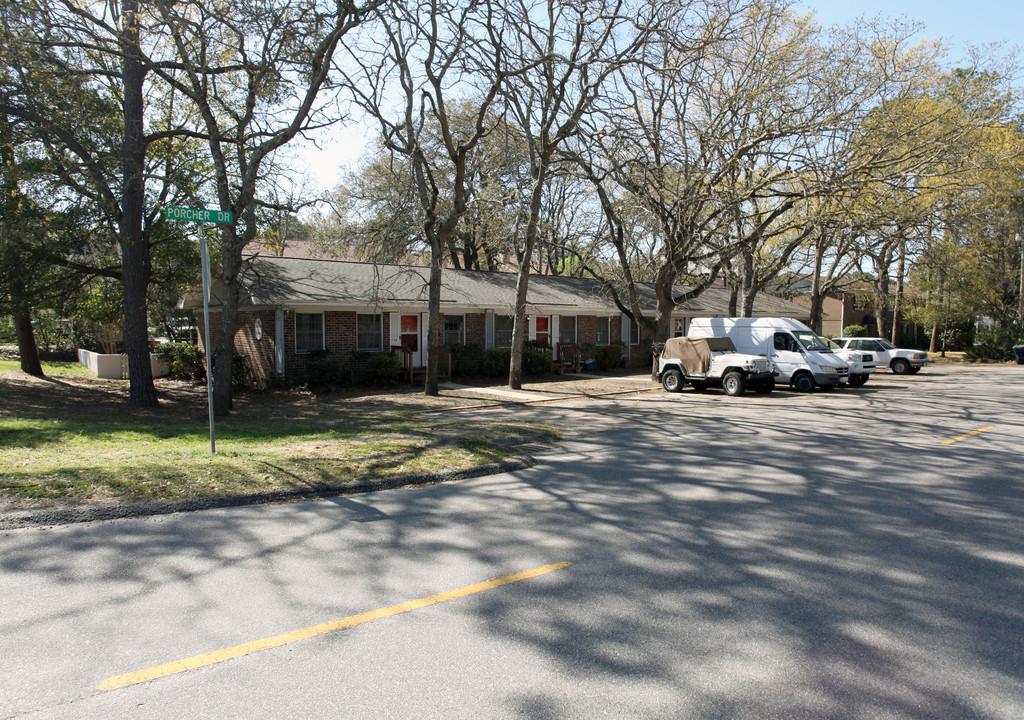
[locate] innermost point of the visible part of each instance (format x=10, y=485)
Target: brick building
x=295, y=306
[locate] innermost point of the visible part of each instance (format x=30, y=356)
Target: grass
x=71, y=440
x=52, y=368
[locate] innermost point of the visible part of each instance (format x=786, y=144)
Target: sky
x=957, y=22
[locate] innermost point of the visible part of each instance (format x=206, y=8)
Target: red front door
x=411, y=332
x=542, y=329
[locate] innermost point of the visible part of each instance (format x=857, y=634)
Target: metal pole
x=206, y=327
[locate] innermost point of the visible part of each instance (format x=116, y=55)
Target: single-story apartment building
x=294, y=306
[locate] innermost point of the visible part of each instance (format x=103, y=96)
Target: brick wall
x=341, y=338
x=586, y=329
x=476, y=329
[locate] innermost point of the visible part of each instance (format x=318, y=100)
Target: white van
x=801, y=357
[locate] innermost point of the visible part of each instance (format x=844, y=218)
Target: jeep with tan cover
x=707, y=361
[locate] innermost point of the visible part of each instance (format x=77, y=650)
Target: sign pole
x=203, y=216
x=206, y=327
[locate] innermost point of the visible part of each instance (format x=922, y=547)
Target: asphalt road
x=792, y=556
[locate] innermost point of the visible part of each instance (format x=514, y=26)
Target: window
x=603, y=332
x=566, y=329
x=368, y=333
x=785, y=341
x=309, y=332
x=634, y=333
x=454, y=329
x=503, y=330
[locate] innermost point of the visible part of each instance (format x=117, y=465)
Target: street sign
x=224, y=217
x=199, y=215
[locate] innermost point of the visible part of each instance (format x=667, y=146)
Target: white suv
x=901, y=361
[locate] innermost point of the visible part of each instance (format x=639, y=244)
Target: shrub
x=467, y=360
x=536, y=358
x=996, y=343
x=8, y=334
x=324, y=372
x=241, y=372
x=609, y=356
x=185, y=360
x=380, y=369
x=855, y=331
x=496, y=361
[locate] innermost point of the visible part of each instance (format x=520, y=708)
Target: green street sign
x=224, y=217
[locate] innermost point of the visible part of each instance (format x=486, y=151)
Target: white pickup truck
x=708, y=361
x=901, y=361
x=861, y=364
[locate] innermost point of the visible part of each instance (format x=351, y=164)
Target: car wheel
x=765, y=386
x=900, y=366
x=804, y=383
x=672, y=380
x=734, y=384
x=858, y=380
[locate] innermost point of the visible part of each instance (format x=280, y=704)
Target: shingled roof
x=304, y=282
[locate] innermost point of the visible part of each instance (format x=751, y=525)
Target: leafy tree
x=77, y=74
x=250, y=78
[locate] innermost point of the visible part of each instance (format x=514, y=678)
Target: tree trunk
x=748, y=288
x=224, y=354
x=816, y=302
x=1020, y=295
x=27, y=345
x=519, y=329
x=897, y=311
x=433, y=324
x=134, y=249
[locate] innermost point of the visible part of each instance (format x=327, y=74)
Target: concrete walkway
x=499, y=392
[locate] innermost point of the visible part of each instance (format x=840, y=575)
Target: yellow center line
x=970, y=434
x=217, y=656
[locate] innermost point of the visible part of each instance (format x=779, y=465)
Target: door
x=787, y=355
x=541, y=330
x=882, y=356
x=409, y=336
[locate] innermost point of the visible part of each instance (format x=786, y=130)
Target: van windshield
x=811, y=341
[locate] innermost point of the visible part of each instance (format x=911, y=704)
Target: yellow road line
x=970, y=434
x=217, y=656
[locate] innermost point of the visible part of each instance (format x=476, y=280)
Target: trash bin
x=1018, y=353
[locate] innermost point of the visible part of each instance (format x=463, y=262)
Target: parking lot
x=845, y=554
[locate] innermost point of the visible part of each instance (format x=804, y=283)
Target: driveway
x=854, y=554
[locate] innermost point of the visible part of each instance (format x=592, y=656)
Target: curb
x=68, y=516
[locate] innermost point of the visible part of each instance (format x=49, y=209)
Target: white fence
x=115, y=367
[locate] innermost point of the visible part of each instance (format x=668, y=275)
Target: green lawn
x=72, y=440
x=50, y=368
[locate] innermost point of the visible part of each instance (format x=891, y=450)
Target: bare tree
x=571, y=52
x=426, y=63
